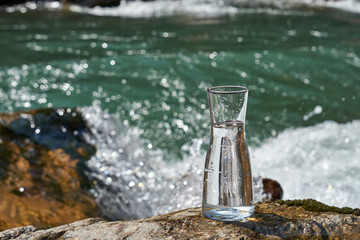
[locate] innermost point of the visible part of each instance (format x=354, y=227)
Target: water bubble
x=257, y=55
x=318, y=109
x=166, y=34
x=60, y=112
x=242, y=74
x=212, y=55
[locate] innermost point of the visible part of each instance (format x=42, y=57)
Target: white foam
x=136, y=9
x=346, y=5
x=196, y=8
x=213, y=8
x=134, y=182
x=320, y=162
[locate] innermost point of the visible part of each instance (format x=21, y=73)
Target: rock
x=42, y=162
x=272, y=220
x=272, y=190
x=94, y=3
x=11, y=2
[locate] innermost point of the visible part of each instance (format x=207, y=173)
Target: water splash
x=216, y=8
x=319, y=162
x=317, y=110
x=131, y=181
x=198, y=8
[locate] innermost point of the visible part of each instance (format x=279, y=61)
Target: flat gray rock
x=271, y=221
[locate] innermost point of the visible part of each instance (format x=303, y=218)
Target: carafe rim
x=227, y=89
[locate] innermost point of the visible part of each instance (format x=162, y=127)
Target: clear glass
x=227, y=189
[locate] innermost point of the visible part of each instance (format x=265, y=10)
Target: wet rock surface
x=272, y=220
x=272, y=190
x=42, y=156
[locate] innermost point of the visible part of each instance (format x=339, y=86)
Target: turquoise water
x=154, y=72
x=301, y=67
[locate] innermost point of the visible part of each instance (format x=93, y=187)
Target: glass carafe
x=227, y=189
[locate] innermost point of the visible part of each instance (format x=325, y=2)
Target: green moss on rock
x=316, y=206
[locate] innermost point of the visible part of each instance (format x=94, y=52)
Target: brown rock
x=271, y=221
x=40, y=183
x=272, y=190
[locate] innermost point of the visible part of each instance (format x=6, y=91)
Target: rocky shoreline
x=272, y=220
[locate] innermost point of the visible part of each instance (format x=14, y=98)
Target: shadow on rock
x=272, y=224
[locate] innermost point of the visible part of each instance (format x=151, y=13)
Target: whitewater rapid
x=133, y=181
x=197, y=8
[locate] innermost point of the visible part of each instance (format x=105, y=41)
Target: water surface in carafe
x=227, y=176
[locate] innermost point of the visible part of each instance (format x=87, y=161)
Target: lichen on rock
x=313, y=205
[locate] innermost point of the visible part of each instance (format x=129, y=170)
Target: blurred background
x=138, y=72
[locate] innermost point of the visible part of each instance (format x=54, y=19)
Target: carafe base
x=227, y=213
